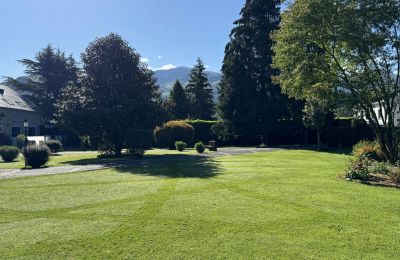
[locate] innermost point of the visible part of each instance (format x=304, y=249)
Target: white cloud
x=206, y=66
x=160, y=57
x=167, y=67
x=145, y=60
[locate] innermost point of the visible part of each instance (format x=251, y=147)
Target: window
x=15, y=131
x=31, y=131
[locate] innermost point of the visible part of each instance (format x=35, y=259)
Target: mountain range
x=167, y=78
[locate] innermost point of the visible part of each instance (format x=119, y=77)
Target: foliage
x=36, y=155
x=383, y=168
x=54, y=145
x=250, y=104
x=199, y=93
x=116, y=93
x=368, y=149
x=178, y=104
x=138, y=141
x=47, y=75
x=173, y=131
x=21, y=140
x=5, y=139
x=199, y=147
x=180, y=146
x=327, y=48
x=358, y=169
x=315, y=116
x=202, y=129
x=9, y=153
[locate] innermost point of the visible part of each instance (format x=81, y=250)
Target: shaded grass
x=286, y=204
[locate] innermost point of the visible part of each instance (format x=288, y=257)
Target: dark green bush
x=36, y=155
x=199, y=147
x=54, y=145
x=202, y=130
x=173, y=131
x=9, y=153
x=21, y=140
x=138, y=141
x=180, y=146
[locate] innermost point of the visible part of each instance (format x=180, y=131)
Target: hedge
x=202, y=130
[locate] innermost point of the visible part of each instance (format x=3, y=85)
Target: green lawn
x=84, y=158
x=286, y=204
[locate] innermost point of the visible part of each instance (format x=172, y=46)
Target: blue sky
x=165, y=32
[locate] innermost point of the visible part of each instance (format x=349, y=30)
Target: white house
x=381, y=114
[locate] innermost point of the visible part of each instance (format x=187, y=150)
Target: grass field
x=285, y=204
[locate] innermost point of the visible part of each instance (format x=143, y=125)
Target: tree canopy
x=47, y=74
x=116, y=93
x=199, y=93
x=177, y=103
x=249, y=102
x=353, y=46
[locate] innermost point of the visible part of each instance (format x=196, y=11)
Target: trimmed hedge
x=180, y=146
x=199, y=147
x=202, y=130
x=9, y=153
x=54, y=145
x=173, y=131
x=36, y=155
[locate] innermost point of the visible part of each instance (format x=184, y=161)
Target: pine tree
x=249, y=102
x=48, y=74
x=177, y=103
x=199, y=93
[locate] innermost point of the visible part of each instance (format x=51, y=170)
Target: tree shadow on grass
x=167, y=165
x=174, y=166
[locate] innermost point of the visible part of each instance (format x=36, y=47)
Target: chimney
x=1, y=92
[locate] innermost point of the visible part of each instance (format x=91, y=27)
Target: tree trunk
x=318, y=139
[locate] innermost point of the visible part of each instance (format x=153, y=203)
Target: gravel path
x=18, y=173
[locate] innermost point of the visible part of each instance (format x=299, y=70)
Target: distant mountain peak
x=167, y=78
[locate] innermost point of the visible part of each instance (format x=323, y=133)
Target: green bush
x=180, y=146
x=199, y=147
x=54, y=145
x=380, y=168
x=36, y=155
x=202, y=130
x=369, y=150
x=138, y=141
x=358, y=168
x=173, y=131
x=9, y=153
x=21, y=139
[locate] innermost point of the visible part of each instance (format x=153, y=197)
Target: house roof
x=9, y=98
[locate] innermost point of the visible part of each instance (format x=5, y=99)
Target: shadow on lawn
x=174, y=166
x=167, y=165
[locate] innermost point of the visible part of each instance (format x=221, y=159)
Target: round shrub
x=54, y=145
x=21, y=139
x=36, y=155
x=9, y=153
x=358, y=168
x=138, y=141
x=180, y=146
x=369, y=150
x=199, y=147
x=173, y=131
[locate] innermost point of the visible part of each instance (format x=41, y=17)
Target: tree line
x=302, y=65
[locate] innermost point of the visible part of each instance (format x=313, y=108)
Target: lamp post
x=26, y=125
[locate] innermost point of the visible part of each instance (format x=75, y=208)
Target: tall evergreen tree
x=177, y=103
x=249, y=102
x=48, y=74
x=117, y=93
x=199, y=93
